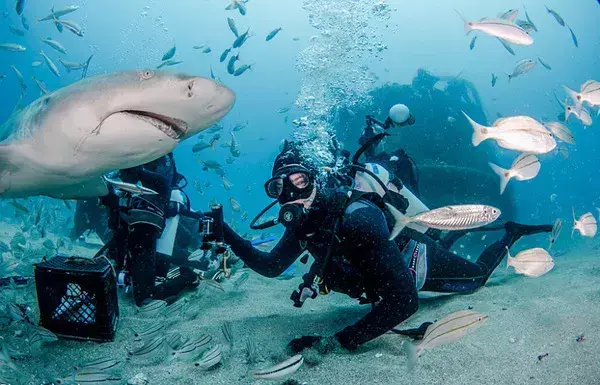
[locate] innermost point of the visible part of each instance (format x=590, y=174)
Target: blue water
x=395, y=41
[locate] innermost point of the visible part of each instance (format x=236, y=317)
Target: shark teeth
x=173, y=128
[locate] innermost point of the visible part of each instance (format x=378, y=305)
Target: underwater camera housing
x=77, y=297
x=211, y=227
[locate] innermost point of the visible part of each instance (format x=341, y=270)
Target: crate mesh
x=77, y=298
x=76, y=305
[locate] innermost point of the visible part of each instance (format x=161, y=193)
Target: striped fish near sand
x=447, y=330
x=279, y=371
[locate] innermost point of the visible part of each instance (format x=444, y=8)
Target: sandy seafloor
x=527, y=317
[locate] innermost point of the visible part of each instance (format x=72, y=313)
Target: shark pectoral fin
x=6, y=166
x=92, y=188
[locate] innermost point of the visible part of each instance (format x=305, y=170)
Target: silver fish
x=586, y=225
x=531, y=263
x=130, y=187
x=170, y=53
x=40, y=336
x=12, y=47
x=518, y=133
x=494, y=80
x=525, y=167
x=74, y=66
x=589, y=93
x=190, y=350
x=546, y=66
x=527, y=26
x=5, y=358
x=150, y=348
x=50, y=64
x=529, y=20
x=556, y=229
x=231, y=64
x=40, y=85
x=472, y=45
x=241, y=39
x=20, y=6
x=233, y=27
x=176, y=340
x=210, y=358
x=54, y=44
x=460, y=217
x=522, y=67
x=273, y=33
x=239, y=126
x=241, y=280
x=279, y=371
x=92, y=377
x=509, y=15
x=560, y=131
x=168, y=63
x=177, y=308
x=16, y=31
x=224, y=55
x=227, y=333
x=212, y=284
x=573, y=37
x=71, y=26
x=447, y=330
x=243, y=68
x=20, y=77
x=25, y=22
x=583, y=115
x=152, y=309
x=59, y=13
x=104, y=364
x=150, y=332
x=558, y=18
x=500, y=28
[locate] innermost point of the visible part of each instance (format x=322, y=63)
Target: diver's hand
x=323, y=345
x=299, y=344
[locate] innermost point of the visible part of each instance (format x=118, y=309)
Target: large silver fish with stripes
x=449, y=329
x=460, y=217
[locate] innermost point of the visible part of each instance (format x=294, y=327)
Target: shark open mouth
x=173, y=128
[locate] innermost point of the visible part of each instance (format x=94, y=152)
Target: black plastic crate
x=77, y=297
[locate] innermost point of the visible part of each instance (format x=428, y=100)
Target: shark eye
x=147, y=74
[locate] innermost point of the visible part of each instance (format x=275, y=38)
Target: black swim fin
x=415, y=334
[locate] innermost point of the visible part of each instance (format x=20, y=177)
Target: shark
x=63, y=143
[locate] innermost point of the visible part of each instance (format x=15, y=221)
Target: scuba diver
x=347, y=229
x=144, y=229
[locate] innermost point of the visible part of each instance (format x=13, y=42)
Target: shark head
x=179, y=105
x=106, y=123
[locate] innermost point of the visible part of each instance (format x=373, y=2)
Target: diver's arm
x=379, y=260
x=270, y=264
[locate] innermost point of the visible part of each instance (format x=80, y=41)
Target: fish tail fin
x=87, y=65
x=508, y=258
x=468, y=27
x=574, y=223
x=479, y=131
x=503, y=174
x=575, y=97
x=401, y=221
x=411, y=353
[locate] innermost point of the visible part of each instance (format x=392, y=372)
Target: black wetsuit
x=364, y=261
x=137, y=239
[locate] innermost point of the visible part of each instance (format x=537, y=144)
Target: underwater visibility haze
x=431, y=170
